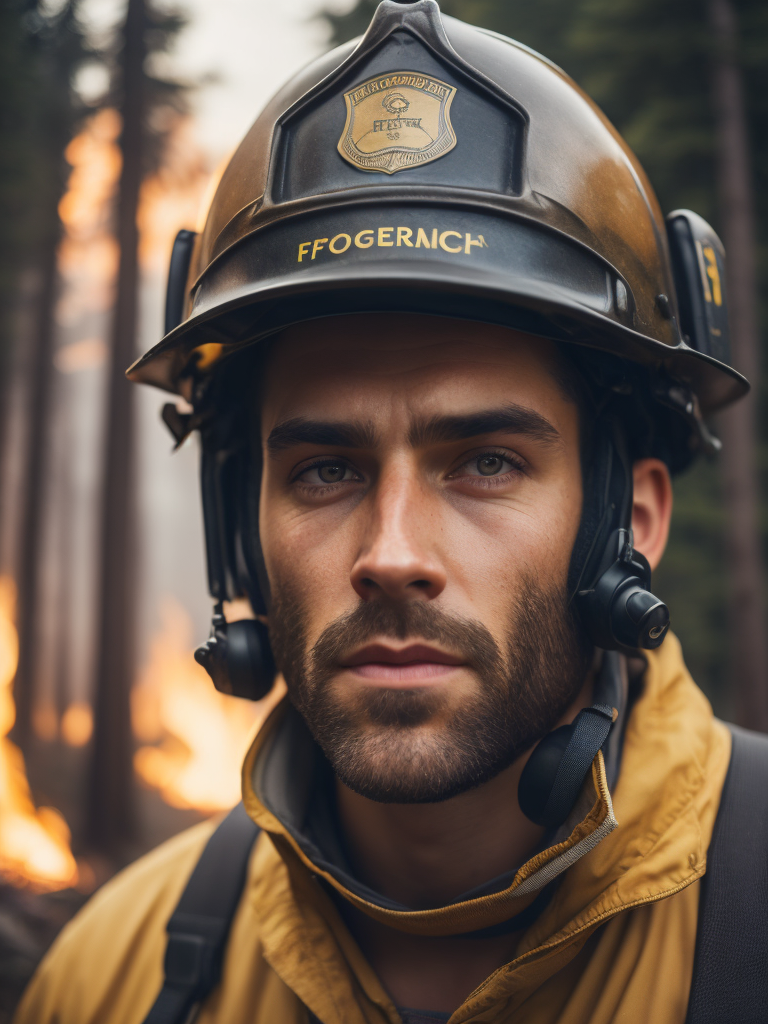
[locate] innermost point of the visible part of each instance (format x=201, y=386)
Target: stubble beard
x=423, y=745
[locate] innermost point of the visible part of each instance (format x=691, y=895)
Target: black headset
x=610, y=586
x=609, y=581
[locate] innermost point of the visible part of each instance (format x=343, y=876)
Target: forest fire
x=195, y=738
x=88, y=254
x=34, y=842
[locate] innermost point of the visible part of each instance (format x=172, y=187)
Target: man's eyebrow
x=516, y=419
x=336, y=435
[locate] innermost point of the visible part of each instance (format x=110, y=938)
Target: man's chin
x=408, y=756
x=416, y=768
x=383, y=707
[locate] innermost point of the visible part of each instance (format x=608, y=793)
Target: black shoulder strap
x=730, y=971
x=199, y=926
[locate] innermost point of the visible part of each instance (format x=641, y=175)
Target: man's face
x=420, y=498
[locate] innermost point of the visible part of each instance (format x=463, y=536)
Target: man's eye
x=327, y=473
x=490, y=464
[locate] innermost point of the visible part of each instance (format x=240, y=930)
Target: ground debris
x=29, y=922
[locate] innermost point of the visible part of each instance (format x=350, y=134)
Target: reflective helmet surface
x=436, y=167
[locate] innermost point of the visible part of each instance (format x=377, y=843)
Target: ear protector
x=237, y=656
x=609, y=581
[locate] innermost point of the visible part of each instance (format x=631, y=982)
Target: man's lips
x=414, y=665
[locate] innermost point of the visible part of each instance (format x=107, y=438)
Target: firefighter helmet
x=435, y=167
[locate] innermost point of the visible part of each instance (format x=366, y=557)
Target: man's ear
x=651, y=508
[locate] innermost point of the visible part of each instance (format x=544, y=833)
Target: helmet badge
x=396, y=121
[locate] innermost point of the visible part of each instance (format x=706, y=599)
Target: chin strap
x=555, y=772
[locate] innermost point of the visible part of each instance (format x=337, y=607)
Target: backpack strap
x=199, y=926
x=730, y=969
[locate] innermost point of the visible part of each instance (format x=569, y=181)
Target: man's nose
x=399, y=556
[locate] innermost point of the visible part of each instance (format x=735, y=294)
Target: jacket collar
x=286, y=787
x=673, y=766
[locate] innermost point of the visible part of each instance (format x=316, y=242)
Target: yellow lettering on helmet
x=444, y=244
x=432, y=238
x=703, y=272
x=713, y=274
x=470, y=241
x=347, y=243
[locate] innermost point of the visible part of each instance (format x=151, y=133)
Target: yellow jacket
x=615, y=943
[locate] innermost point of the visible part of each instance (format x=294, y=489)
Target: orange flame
x=34, y=842
x=88, y=254
x=203, y=735
x=172, y=198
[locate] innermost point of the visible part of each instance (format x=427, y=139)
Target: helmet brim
x=233, y=314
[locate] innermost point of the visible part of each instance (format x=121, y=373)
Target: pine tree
x=41, y=112
x=147, y=104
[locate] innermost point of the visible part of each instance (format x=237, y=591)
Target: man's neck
x=427, y=855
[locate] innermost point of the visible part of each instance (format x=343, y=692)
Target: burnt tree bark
x=111, y=814
x=747, y=611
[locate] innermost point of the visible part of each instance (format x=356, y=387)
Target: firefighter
x=443, y=352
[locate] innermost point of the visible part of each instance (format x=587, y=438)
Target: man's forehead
x=397, y=338
x=342, y=362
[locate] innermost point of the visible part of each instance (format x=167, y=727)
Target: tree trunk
x=40, y=376
x=748, y=640
x=65, y=550
x=111, y=821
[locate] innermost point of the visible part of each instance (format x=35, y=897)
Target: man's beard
x=378, y=740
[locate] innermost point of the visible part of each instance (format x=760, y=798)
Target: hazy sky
x=251, y=46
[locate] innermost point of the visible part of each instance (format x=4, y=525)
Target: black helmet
x=439, y=168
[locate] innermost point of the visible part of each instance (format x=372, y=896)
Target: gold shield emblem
x=398, y=120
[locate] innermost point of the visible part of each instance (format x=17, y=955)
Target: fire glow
x=191, y=738
x=34, y=842
x=195, y=738
x=88, y=255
